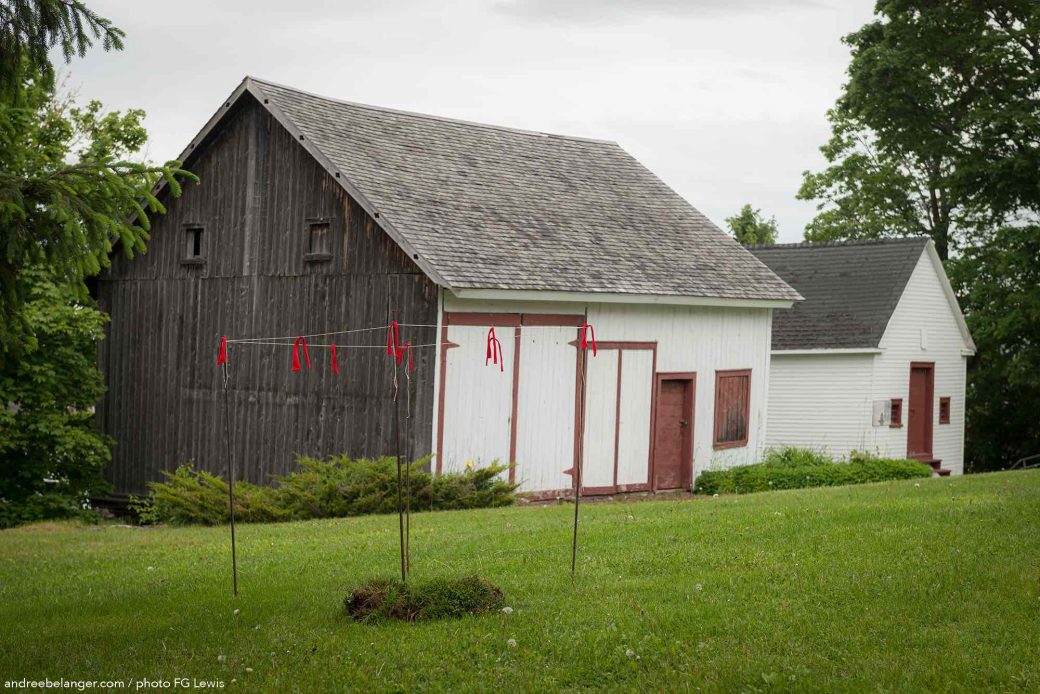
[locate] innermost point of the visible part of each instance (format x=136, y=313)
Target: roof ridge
x=428, y=116
x=838, y=244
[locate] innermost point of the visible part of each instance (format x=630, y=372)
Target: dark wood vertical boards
x=258, y=190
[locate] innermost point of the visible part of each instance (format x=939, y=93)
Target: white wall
x=822, y=402
x=689, y=339
x=924, y=306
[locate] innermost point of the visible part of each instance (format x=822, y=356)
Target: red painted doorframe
x=690, y=408
x=503, y=320
x=921, y=412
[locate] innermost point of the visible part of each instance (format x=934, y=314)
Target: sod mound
x=436, y=599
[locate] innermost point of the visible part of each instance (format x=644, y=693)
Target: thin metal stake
x=400, y=504
x=231, y=483
x=580, y=463
x=408, y=476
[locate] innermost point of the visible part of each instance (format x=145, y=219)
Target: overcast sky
x=723, y=99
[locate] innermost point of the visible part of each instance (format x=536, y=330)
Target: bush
x=333, y=488
x=795, y=468
x=436, y=599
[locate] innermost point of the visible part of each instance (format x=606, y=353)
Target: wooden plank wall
x=163, y=405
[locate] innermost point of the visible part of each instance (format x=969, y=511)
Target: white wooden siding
x=637, y=384
x=477, y=401
x=689, y=339
x=924, y=306
x=822, y=402
x=600, y=418
x=545, y=409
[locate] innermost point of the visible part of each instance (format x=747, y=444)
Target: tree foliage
x=70, y=191
x=51, y=457
x=29, y=29
x=937, y=131
x=750, y=226
x=999, y=287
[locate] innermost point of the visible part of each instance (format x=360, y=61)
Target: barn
x=874, y=358
x=315, y=217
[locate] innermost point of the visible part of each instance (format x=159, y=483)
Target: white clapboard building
x=874, y=358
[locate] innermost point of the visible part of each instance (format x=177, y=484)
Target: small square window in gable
x=193, y=245
x=319, y=240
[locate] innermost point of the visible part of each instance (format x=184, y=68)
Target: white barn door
x=478, y=399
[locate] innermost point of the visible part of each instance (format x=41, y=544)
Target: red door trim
x=563, y=320
x=690, y=405
x=928, y=366
x=505, y=320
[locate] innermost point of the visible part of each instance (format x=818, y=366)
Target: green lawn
x=929, y=585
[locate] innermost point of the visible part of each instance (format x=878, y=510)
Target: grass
x=909, y=585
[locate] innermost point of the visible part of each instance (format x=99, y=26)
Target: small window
x=897, y=413
x=732, y=408
x=319, y=240
x=944, y=410
x=193, y=244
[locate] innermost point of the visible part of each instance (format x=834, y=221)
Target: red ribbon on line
x=494, y=351
x=586, y=329
x=393, y=342
x=335, y=361
x=301, y=340
x=222, y=352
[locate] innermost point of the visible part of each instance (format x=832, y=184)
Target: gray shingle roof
x=496, y=208
x=850, y=289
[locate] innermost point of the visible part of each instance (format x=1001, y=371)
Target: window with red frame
x=944, y=410
x=732, y=407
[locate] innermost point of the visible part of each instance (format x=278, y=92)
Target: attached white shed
x=874, y=358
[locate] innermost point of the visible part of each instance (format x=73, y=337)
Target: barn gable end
x=260, y=191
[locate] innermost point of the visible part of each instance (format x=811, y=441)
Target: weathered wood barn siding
x=163, y=407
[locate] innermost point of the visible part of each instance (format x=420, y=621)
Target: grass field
x=930, y=585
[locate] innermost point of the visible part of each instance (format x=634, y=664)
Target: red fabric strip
x=335, y=361
x=586, y=329
x=222, y=352
x=300, y=341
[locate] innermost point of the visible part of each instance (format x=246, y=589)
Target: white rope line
x=338, y=346
x=292, y=338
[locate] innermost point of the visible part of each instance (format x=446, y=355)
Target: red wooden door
x=673, y=437
x=919, y=415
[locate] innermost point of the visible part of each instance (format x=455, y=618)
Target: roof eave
x=616, y=298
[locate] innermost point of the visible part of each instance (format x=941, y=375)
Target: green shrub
x=794, y=468
x=333, y=488
x=436, y=599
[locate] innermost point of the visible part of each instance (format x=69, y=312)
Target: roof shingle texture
x=850, y=290
x=496, y=208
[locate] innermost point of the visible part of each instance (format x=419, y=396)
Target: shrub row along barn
x=316, y=215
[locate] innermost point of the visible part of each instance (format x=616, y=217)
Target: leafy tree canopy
x=51, y=457
x=29, y=29
x=69, y=187
x=750, y=226
x=999, y=287
x=937, y=131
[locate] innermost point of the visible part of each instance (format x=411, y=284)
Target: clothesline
x=337, y=345
x=266, y=340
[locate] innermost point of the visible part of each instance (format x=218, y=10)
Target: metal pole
x=231, y=484
x=408, y=476
x=400, y=504
x=579, y=463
